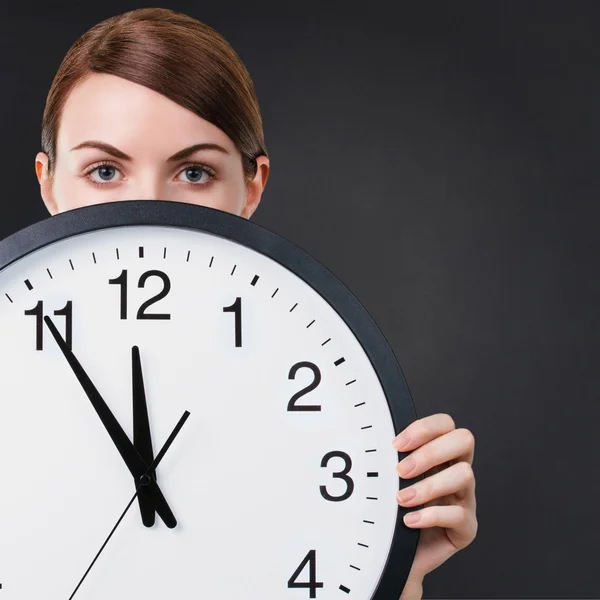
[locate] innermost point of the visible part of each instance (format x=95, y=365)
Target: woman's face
x=118, y=140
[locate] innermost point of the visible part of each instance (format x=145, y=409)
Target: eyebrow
x=109, y=149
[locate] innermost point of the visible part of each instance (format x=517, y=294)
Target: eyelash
x=209, y=170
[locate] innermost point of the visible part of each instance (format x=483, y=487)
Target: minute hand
x=135, y=463
x=142, y=438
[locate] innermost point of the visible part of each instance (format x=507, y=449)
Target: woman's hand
x=445, y=455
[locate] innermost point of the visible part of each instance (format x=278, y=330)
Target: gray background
x=441, y=159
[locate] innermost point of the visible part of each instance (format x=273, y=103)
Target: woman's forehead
x=125, y=114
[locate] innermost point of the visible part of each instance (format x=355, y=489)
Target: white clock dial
x=282, y=480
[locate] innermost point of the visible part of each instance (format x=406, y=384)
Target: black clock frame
x=238, y=229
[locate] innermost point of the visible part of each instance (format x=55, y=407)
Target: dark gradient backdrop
x=442, y=160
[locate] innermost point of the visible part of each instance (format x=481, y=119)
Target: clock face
x=282, y=479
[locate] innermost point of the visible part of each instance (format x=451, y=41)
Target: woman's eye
x=105, y=173
x=194, y=174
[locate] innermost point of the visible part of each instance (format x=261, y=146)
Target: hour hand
x=135, y=463
x=142, y=439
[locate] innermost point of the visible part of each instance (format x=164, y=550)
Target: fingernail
x=407, y=494
x=401, y=441
x=412, y=517
x=406, y=466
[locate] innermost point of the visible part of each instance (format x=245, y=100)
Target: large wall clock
x=191, y=406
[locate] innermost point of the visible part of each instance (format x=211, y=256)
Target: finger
x=449, y=517
x=455, y=446
x=460, y=523
x=457, y=479
x=422, y=431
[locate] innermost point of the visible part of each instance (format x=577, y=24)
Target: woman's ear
x=41, y=170
x=256, y=186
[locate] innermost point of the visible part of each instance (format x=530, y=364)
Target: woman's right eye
x=104, y=171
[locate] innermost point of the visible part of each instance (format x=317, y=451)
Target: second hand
x=151, y=467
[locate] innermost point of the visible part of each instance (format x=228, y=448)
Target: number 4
x=312, y=584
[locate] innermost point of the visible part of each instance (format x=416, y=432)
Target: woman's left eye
x=196, y=171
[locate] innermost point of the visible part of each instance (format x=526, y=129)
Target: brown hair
x=173, y=54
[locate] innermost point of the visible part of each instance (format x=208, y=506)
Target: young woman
x=153, y=104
